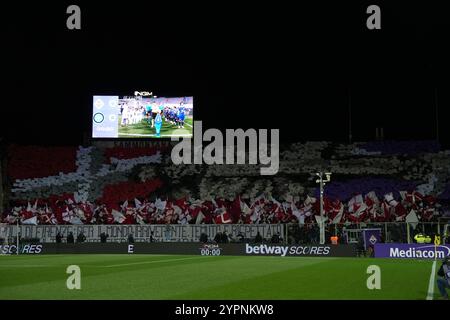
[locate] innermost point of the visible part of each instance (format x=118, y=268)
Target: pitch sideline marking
x=147, y=262
x=431, y=283
x=26, y=265
x=57, y=264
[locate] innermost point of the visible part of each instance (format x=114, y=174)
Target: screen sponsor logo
x=265, y=249
x=411, y=251
x=25, y=249
x=373, y=239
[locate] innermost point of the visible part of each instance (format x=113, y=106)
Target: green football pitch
x=144, y=129
x=206, y=277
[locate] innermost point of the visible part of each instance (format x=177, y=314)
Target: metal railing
x=400, y=232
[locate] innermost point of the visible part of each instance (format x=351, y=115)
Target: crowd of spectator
x=411, y=207
x=371, y=182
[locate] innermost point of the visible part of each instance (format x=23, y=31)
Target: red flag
x=386, y=209
x=181, y=203
x=235, y=209
x=223, y=218
x=400, y=212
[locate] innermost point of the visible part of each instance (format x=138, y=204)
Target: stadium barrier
x=391, y=232
x=184, y=248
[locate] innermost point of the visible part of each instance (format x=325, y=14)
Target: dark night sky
x=262, y=66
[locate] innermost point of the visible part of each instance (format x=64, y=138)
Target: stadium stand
x=371, y=182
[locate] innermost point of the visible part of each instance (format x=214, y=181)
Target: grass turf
x=143, y=129
x=197, y=277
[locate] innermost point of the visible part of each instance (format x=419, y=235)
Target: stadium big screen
x=142, y=117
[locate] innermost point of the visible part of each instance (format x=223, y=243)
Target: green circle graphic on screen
x=99, y=117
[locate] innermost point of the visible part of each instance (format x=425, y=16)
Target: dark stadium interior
x=291, y=68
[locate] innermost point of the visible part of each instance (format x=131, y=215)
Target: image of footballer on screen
x=155, y=117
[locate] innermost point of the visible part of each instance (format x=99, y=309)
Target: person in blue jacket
x=158, y=123
x=181, y=118
x=148, y=112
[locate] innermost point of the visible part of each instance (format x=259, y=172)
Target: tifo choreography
x=214, y=153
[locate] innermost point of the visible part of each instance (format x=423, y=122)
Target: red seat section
x=36, y=162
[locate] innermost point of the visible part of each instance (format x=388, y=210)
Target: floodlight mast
x=321, y=181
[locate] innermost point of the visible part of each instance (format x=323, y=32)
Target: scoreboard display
x=142, y=117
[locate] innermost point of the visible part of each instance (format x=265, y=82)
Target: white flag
x=32, y=220
x=118, y=216
x=137, y=203
x=412, y=219
x=200, y=218
x=309, y=200
x=75, y=220
x=390, y=199
x=177, y=210
x=403, y=195
x=80, y=214
x=244, y=207
x=159, y=204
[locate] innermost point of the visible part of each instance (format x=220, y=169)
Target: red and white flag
x=32, y=220
x=222, y=218
x=337, y=212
